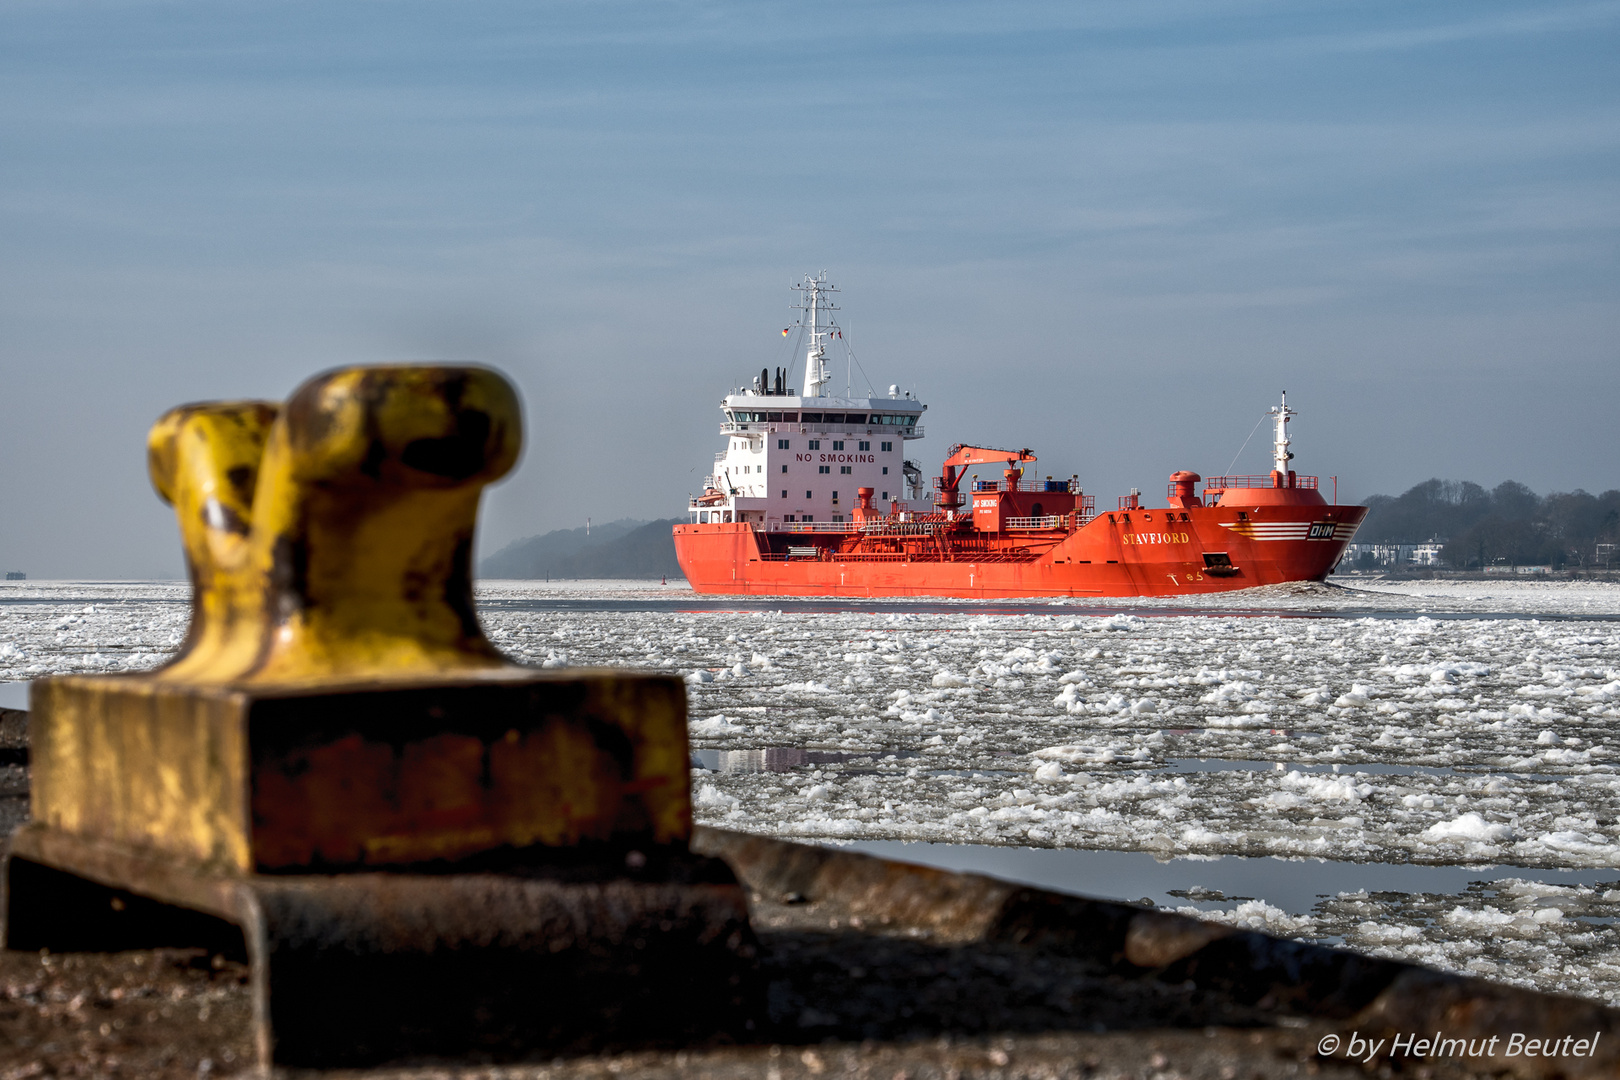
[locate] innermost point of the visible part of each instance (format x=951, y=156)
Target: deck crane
x=960, y=458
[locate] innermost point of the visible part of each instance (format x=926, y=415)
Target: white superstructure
x=793, y=458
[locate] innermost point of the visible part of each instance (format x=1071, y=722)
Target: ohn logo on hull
x=1156, y=538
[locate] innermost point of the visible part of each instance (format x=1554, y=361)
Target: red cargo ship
x=864, y=527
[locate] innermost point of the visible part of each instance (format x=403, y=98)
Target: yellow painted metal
x=142, y=762
x=336, y=702
x=352, y=556
x=204, y=460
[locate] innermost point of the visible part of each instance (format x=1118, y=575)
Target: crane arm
x=963, y=455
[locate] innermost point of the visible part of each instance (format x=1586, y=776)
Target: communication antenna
x=812, y=300
x=1280, y=454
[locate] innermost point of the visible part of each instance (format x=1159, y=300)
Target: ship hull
x=1155, y=552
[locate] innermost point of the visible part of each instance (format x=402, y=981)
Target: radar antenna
x=813, y=302
x=1280, y=454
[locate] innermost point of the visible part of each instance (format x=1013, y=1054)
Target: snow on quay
x=1422, y=723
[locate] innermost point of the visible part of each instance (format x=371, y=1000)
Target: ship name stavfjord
x=1156, y=538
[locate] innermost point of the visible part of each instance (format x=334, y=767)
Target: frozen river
x=1452, y=750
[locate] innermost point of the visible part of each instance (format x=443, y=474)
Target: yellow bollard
x=330, y=548
x=335, y=540
x=337, y=710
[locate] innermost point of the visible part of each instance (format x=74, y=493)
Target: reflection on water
x=786, y=758
x=777, y=759
x=1295, y=885
x=1371, y=768
x=1286, y=733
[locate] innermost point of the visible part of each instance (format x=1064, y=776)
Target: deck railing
x=811, y=526
x=1256, y=480
x=1074, y=520
x=923, y=556
x=769, y=427
x=1055, y=487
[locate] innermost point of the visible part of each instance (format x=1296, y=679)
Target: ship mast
x=813, y=303
x=1280, y=454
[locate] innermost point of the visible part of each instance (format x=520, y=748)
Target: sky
x=1110, y=232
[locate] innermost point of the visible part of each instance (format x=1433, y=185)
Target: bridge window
x=832, y=418
x=812, y=418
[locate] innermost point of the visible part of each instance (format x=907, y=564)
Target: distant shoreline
x=1434, y=573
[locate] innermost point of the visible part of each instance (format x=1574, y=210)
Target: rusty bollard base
x=367, y=775
x=364, y=968
x=494, y=864
x=422, y=847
